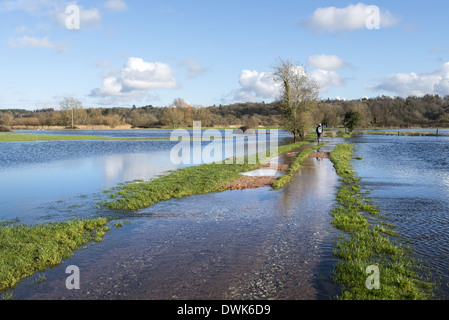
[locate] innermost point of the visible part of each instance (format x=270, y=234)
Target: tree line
x=379, y=112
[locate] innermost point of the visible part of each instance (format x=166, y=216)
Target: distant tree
x=352, y=119
x=113, y=120
x=299, y=97
x=204, y=115
x=173, y=117
x=6, y=119
x=142, y=119
x=71, y=112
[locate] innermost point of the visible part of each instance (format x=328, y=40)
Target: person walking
x=319, y=132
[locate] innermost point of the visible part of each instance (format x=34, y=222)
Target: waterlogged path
x=251, y=244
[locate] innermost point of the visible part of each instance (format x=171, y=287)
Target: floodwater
x=46, y=181
x=251, y=244
x=409, y=179
x=37, y=177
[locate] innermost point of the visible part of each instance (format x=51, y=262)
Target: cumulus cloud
x=255, y=86
x=415, y=84
x=116, y=5
x=327, y=79
x=326, y=62
x=352, y=17
x=325, y=71
x=140, y=75
x=258, y=86
x=135, y=79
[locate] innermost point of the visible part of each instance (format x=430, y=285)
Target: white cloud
x=255, y=86
x=55, y=9
x=88, y=17
x=116, y=5
x=352, y=17
x=324, y=73
x=140, y=75
x=32, y=42
x=30, y=6
x=194, y=70
x=327, y=79
x=326, y=62
x=35, y=42
x=21, y=30
x=134, y=81
x=415, y=84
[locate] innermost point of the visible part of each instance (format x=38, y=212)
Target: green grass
x=206, y=178
x=294, y=167
x=25, y=250
x=17, y=137
x=370, y=240
x=343, y=134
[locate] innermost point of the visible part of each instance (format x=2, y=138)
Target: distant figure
x=319, y=132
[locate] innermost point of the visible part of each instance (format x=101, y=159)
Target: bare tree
x=71, y=112
x=299, y=97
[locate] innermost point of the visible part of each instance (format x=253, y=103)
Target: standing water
x=409, y=180
x=250, y=244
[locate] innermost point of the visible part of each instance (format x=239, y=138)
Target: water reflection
x=36, y=175
x=129, y=167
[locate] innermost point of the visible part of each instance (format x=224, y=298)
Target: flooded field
x=409, y=180
x=252, y=244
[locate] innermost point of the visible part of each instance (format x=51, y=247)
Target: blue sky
x=129, y=52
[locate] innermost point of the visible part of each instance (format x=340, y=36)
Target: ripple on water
x=409, y=180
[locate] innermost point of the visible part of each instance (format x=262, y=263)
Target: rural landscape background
x=380, y=112
x=327, y=123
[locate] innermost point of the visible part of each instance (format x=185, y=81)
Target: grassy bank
x=25, y=250
x=206, y=178
x=370, y=241
x=17, y=137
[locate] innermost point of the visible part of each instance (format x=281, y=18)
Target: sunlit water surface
x=252, y=244
x=409, y=180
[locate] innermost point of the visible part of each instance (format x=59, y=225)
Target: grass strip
x=369, y=242
x=206, y=178
x=18, y=137
x=294, y=167
x=25, y=250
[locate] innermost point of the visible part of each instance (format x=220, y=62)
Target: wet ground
x=241, y=244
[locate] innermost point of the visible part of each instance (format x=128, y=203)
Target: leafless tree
x=299, y=97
